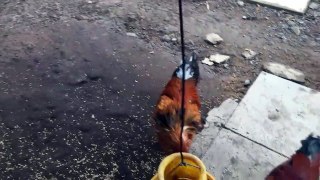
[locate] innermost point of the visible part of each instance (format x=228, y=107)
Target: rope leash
x=183, y=79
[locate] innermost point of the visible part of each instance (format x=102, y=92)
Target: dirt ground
x=76, y=93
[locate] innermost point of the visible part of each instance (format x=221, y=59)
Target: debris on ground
x=240, y=3
x=207, y=62
x=296, y=30
x=219, y=58
x=247, y=82
x=291, y=23
x=314, y=5
x=249, y=54
x=208, y=6
x=213, y=38
x=174, y=39
x=284, y=71
x=249, y=18
x=216, y=58
x=132, y=34
x=166, y=38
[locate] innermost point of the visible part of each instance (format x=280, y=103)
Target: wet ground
x=76, y=93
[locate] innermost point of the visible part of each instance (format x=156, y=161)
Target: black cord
x=183, y=79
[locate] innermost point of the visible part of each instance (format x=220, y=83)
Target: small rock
x=240, y=3
x=249, y=18
x=81, y=17
x=174, y=39
x=247, y=82
x=249, y=54
x=296, y=30
x=131, y=34
x=213, y=38
x=291, y=23
x=284, y=71
x=226, y=66
x=314, y=5
x=166, y=38
x=219, y=58
x=90, y=2
x=207, y=62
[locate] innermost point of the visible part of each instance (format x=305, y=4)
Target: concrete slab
x=234, y=157
x=219, y=116
x=277, y=113
x=299, y=6
x=224, y=112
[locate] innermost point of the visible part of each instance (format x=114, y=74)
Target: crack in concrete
x=225, y=120
x=260, y=144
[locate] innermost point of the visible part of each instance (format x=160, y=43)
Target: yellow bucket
x=169, y=168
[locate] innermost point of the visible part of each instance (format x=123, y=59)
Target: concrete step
x=247, y=140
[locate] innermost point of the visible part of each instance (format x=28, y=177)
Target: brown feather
x=168, y=109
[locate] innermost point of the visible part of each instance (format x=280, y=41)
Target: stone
x=313, y=5
x=174, y=39
x=132, y=34
x=207, y=62
x=166, y=38
x=247, y=82
x=240, y=3
x=291, y=23
x=219, y=58
x=284, y=71
x=249, y=54
x=296, y=30
x=213, y=38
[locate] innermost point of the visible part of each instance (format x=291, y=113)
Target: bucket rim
x=173, y=156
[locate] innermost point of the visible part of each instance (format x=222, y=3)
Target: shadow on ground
x=76, y=102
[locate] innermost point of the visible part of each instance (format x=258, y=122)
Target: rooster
x=168, y=109
x=304, y=165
